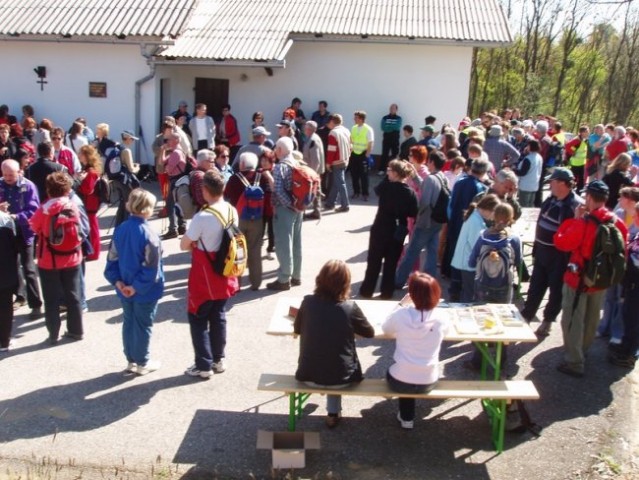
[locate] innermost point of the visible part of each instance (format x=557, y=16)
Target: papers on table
x=488, y=319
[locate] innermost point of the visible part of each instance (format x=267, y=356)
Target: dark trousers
x=407, y=405
x=69, y=280
x=268, y=227
x=123, y=190
x=390, y=149
x=388, y=251
x=27, y=279
x=630, y=342
x=549, y=267
x=208, y=333
x=540, y=190
x=174, y=214
x=359, y=173
x=202, y=145
x=580, y=180
x=327, y=178
x=6, y=315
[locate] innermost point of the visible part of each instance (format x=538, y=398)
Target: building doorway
x=214, y=92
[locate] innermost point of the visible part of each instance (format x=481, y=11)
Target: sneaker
x=12, y=344
x=19, y=302
x=332, y=420
x=342, y=209
x=131, y=367
x=170, y=234
x=328, y=208
x=219, y=366
x=312, y=216
x=193, y=371
x=53, y=340
x=565, y=369
x=406, y=425
x=36, y=313
x=182, y=229
x=270, y=256
x=621, y=360
x=73, y=336
x=150, y=366
x=295, y=282
x=85, y=309
x=278, y=286
x=544, y=329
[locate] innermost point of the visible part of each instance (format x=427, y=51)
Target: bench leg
x=496, y=410
x=296, y=403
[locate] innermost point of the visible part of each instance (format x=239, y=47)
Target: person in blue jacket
x=134, y=267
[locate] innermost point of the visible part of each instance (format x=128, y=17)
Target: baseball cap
x=129, y=133
x=183, y=103
x=428, y=128
x=286, y=123
x=560, y=173
x=598, y=187
x=261, y=131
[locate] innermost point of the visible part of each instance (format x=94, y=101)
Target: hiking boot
x=170, y=234
x=544, y=329
x=565, y=369
x=181, y=229
x=19, y=302
x=621, y=360
x=312, y=216
x=295, y=282
x=36, y=313
x=405, y=424
x=278, y=286
x=193, y=371
x=219, y=366
x=342, y=209
x=150, y=366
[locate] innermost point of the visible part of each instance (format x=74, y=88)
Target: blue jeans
x=333, y=402
x=338, y=186
x=136, y=329
x=208, y=333
x=407, y=405
x=173, y=212
x=612, y=319
x=427, y=238
x=287, y=227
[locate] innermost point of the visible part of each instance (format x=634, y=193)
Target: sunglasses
x=56, y=138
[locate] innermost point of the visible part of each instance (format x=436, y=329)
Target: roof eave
x=397, y=40
x=106, y=39
x=218, y=62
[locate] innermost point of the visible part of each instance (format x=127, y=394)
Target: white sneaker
x=220, y=366
x=407, y=425
x=193, y=371
x=131, y=367
x=12, y=344
x=270, y=256
x=150, y=366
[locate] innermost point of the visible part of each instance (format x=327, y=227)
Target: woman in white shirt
x=418, y=330
x=75, y=140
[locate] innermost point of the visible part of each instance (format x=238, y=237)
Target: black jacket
x=327, y=344
x=8, y=253
x=38, y=172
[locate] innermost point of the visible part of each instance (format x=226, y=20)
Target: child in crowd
x=418, y=330
x=475, y=220
x=134, y=267
x=328, y=322
x=495, y=255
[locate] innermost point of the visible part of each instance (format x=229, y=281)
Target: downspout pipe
x=138, y=100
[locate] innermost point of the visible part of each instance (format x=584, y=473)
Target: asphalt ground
x=70, y=411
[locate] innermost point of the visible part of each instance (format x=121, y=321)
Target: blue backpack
x=495, y=266
x=250, y=206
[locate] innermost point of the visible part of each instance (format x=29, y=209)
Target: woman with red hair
x=418, y=330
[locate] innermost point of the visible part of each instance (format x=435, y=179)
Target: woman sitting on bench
x=327, y=323
x=418, y=331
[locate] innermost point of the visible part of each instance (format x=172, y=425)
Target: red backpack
x=64, y=235
x=305, y=187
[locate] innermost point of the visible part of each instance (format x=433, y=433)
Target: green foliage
x=578, y=77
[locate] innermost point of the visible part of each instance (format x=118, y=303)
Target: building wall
x=421, y=79
x=70, y=68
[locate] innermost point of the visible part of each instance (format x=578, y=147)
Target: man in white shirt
x=202, y=129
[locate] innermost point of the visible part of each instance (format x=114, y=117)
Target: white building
x=147, y=55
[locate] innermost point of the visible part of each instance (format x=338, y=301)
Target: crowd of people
x=453, y=194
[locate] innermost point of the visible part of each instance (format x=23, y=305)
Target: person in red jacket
x=227, y=132
x=581, y=305
x=91, y=171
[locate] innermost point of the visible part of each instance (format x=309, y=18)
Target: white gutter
x=219, y=63
x=372, y=39
x=91, y=39
x=138, y=97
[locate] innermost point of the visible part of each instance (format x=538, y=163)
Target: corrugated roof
x=154, y=18
x=259, y=30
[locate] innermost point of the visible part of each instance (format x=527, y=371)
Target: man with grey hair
x=256, y=146
x=505, y=187
x=313, y=155
x=19, y=198
x=499, y=151
x=245, y=191
x=337, y=157
x=185, y=141
x=205, y=159
x=287, y=222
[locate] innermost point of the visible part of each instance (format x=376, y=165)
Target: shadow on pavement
x=78, y=407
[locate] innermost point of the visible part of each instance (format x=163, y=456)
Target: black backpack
x=607, y=264
x=439, y=212
x=103, y=190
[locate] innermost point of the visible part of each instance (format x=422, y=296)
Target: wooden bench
x=495, y=395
